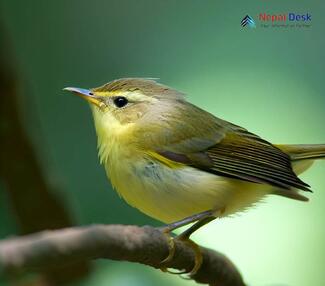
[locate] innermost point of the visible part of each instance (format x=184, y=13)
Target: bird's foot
x=198, y=258
x=172, y=247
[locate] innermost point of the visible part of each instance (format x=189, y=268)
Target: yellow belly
x=169, y=194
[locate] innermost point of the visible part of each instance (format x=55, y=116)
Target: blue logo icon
x=248, y=21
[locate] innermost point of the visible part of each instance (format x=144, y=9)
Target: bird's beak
x=85, y=94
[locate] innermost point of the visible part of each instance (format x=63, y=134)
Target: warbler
x=180, y=164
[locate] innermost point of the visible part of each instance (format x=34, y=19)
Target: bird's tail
x=302, y=156
x=304, y=151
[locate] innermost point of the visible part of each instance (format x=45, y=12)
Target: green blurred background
x=269, y=80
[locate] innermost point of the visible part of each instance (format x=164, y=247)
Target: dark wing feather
x=245, y=156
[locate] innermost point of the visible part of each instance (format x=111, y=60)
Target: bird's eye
x=120, y=101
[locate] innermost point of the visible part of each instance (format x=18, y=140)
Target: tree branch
x=145, y=245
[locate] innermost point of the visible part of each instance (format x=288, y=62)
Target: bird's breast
x=170, y=194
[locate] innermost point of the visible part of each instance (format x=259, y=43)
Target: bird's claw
x=172, y=248
x=198, y=258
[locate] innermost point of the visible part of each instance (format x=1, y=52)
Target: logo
x=278, y=20
x=248, y=21
x=291, y=17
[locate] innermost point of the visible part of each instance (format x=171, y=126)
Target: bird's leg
x=170, y=227
x=200, y=219
x=187, y=233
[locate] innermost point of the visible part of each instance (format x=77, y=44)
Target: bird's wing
x=236, y=153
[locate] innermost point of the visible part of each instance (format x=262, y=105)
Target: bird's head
x=124, y=105
x=128, y=99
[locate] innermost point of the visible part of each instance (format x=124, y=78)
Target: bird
x=180, y=164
